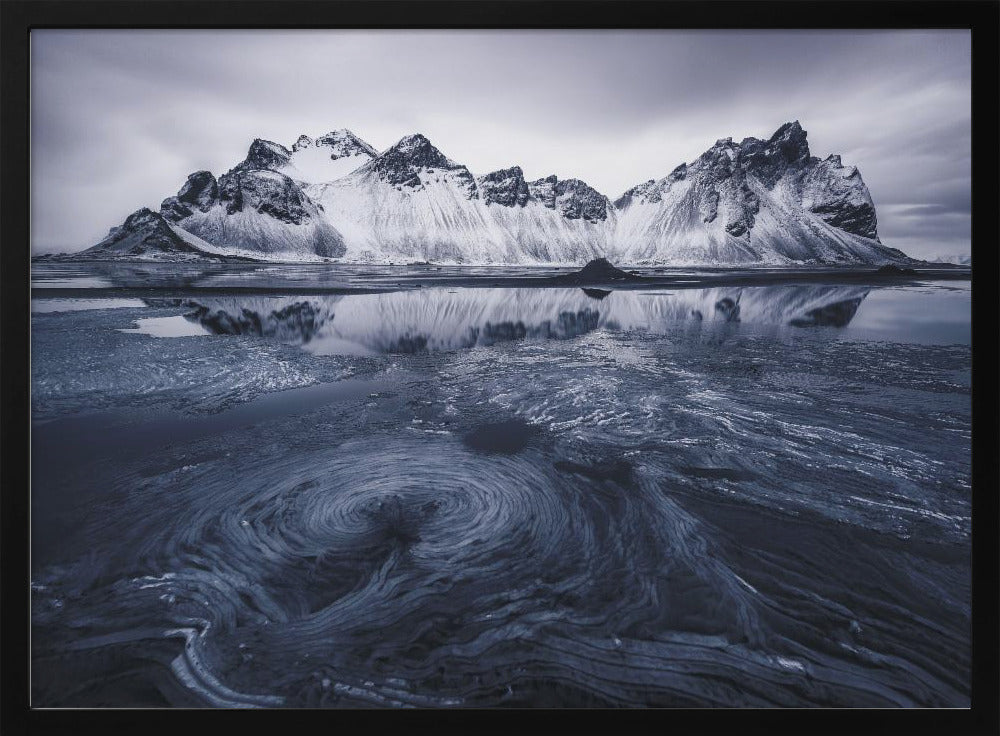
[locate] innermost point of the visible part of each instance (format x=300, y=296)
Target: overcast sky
x=120, y=118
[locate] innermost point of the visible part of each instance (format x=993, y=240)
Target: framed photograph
x=498, y=362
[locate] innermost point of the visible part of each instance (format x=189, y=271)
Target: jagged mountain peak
x=419, y=150
x=309, y=159
x=340, y=134
x=141, y=216
x=199, y=193
x=414, y=161
x=146, y=234
x=790, y=141
x=756, y=200
x=505, y=187
x=343, y=143
x=324, y=159
x=791, y=129
x=265, y=154
x=573, y=198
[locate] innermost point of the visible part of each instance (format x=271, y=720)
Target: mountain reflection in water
x=712, y=496
x=436, y=319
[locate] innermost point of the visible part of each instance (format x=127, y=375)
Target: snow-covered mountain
x=327, y=158
x=753, y=202
x=413, y=203
x=254, y=210
x=335, y=198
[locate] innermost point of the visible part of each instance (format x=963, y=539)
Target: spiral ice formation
x=376, y=572
x=700, y=514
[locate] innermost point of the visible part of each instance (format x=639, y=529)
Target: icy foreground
x=458, y=497
x=335, y=198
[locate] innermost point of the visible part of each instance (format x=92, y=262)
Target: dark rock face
x=572, y=198
x=840, y=197
x=769, y=160
x=709, y=206
x=544, y=190
x=344, y=143
x=741, y=217
x=857, y=219
x=505, y=187
x=577, y=200
x=303, y=141
x=678, y=174
x=602, y=268
x=403, y=164
x=266, y=155
x=597, y=271
x=720, y=176
x=267, y=192
x=200, y=192
x=144, y=233
x=719, y=161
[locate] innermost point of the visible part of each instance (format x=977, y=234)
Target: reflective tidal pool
x=472, y=496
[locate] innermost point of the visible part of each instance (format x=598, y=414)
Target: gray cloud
x=119, y=118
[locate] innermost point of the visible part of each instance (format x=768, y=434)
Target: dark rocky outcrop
x=572, y=198
x=343, y=143
x=505, y=187
x=144, y=234
x=597, y=272
x=266, y=192
x=266, y=155
x=200, y=193
x=414, y=156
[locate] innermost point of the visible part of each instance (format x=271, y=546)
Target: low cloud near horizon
x=120, y=118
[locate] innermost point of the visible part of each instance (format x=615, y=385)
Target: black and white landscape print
x=500, y=369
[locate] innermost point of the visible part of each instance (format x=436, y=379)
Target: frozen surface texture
x=494, y=497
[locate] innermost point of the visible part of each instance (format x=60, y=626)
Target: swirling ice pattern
x=381, y=573
x=733, y=521
x=373, y=558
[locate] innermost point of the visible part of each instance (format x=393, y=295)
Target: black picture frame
x=982, y=17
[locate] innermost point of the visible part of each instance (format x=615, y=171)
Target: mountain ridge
x=333, y=197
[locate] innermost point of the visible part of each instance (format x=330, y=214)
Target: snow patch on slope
x=436, y=221
x=313, y=165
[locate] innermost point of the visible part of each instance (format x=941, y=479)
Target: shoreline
x=372, y=281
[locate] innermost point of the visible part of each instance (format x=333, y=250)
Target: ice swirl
x=708, y=517
x=385, y=572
